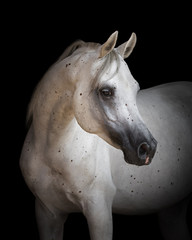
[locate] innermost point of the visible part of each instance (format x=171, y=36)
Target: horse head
x=104, y=100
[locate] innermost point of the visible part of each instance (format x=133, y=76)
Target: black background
x=33, y=36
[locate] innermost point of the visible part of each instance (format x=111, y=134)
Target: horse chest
x=73, y=172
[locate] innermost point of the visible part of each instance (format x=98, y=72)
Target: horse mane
x=70, y=49
x=67, y=52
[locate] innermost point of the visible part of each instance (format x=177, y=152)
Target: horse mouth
x=136, y=161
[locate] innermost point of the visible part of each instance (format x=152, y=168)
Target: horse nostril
x=143, y=151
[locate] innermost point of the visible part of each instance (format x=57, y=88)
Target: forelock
x=106, y=65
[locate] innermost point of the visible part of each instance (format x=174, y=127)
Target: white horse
x=97, y=145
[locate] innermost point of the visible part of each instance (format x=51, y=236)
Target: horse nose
x=143, y=151
x=146, y=151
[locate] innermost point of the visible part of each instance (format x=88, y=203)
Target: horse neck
x=52, y=104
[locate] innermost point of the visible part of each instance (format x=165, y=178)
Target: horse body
x=84, y=131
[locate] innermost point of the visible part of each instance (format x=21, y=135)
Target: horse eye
x=107, y=92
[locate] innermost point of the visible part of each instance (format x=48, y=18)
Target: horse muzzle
x=142, y=155
x=138, y=144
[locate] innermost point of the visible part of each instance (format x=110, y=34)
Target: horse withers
x=97, y=144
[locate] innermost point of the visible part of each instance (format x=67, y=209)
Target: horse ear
x=126, y=48
x=108, y=46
